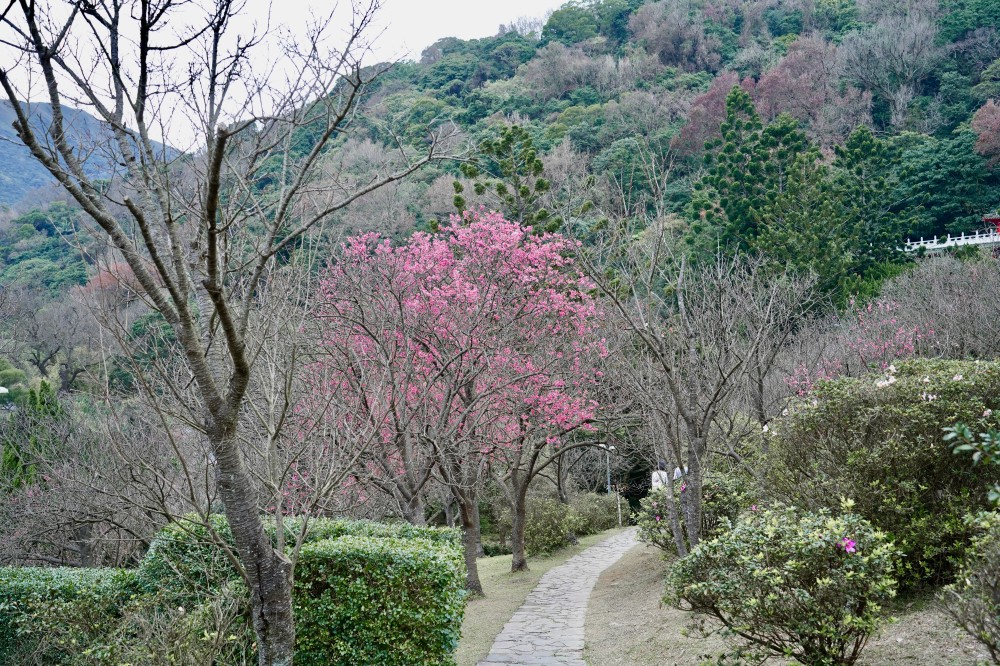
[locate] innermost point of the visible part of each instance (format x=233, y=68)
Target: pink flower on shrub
x=657, y=519
x=753, y=507
x=848, y=545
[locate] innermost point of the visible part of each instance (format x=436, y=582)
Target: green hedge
x=375, y=601
x=372, y=594
x=879, y=441
x=53, y=613
x=185, y=563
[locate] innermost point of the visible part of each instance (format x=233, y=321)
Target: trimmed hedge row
x=360, y=600
x=47, y=612
x=365, y=593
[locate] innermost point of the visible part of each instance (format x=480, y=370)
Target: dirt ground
x=627, y=625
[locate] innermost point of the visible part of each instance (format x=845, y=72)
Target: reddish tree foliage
x=705, y=116
x=806, y=85
x=986, y=124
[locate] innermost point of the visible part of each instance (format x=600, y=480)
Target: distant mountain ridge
x=20, y=173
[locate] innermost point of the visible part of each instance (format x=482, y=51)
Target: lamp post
x=608, y=450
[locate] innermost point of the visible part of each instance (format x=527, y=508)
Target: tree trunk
x=268, y=572
x=519, y=562
x=691, y=497
x=469, y=513
x=413, y=509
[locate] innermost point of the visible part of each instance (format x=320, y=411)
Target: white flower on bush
x=888, y=381
x=956, y=378
x=987, y=413
x=928, y=397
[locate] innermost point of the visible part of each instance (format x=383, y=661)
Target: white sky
x=401, y=30
x=413, y=25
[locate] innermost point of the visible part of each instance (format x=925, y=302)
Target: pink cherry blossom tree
x=478, y=344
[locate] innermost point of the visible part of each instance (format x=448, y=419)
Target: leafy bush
x=186, y=565
x=724, y=496
x=378, y=601
x=590, y=513
x=802, y=585
x=878, y=440
x=185, y=604
x=974, y=600
x=53, y=614
x=545, y=527
x=654, y=521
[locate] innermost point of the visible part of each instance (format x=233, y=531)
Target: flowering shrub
x=724, y=497
x=974, y=600
x=878, y=440
x=808, y=586
x=654, y=522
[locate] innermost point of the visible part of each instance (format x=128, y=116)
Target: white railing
x=990, y=237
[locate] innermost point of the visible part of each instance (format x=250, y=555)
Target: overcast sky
x=413, y=25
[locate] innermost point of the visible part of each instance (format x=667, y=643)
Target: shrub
x=185, y=565
x=802, y=585
x=347, y=582
x=378, y=601
x=389, y=594
x=654, y=521
x=724, y=496
x=590, y=513
x=878, y=440
x=545, y=526
x=974, y=600
x=55, y=614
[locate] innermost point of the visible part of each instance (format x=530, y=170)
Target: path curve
x=548, y=629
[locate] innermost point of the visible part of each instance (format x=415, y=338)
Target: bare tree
x=701, y=333
x=203, y=233
x=892, y=58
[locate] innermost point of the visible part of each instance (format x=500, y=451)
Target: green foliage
x=388, y=594
x=546, y=525
x=184, y=564
x=960, y=17
x=51, y=616
x=747, y=170
x=511, y=171
x=12, y=379
x=590, y=513
x=725, y=495
x=950, y=181
x=378, y=601
x=808, y=586
x=28, y=434
x=36, y=251
x=974, y=600
x=984, y=449
x=570, y=24
x=877, y=440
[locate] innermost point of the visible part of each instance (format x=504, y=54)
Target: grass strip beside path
x=505, y=593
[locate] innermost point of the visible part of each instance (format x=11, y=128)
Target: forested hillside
x=511, y=287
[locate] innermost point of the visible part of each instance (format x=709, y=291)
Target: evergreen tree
x=28, y=434
x=510, y=172
x=747, y=170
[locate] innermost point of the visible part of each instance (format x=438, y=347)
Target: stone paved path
x=548, y=629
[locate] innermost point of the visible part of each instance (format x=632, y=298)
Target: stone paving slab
x=548, y=629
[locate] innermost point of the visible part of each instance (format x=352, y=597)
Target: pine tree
x=510, y=172
x=747, y=170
